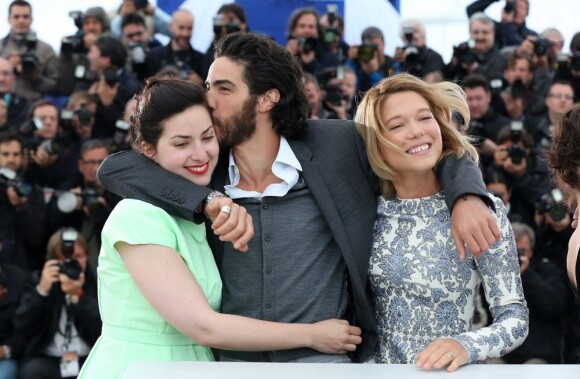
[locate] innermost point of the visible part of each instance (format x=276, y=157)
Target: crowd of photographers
x=62, y=115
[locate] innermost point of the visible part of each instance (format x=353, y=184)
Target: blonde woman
x=424, y=293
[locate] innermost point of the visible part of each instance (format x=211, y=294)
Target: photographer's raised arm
x=466, y=196
x=131, y=175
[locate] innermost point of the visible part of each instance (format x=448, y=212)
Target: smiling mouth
x=198, y=170
x=419, y=149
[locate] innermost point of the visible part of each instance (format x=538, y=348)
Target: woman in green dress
x=159, y=287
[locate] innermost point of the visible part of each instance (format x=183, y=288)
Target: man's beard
x=238, y=128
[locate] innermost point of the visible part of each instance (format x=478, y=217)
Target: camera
x=517, y=89
x=30, y=126
x=331, y=11
x=516, y=128
x=140, y=4
x=541, y=46
x=84, y=116
x=551, y=203
x=516, y=153
x=119, y=138
x=9, y=178
x=464, y=53
x=366, y=52
x=307, y=45
x=331, y=35
x=29, y=63
x=69, y=266
x=219, y=25
x=509, y=7
x=53, y=146
x=74, y=43
x=111, y=76
x=138, y=52
x=97, y=211
x=496, y=85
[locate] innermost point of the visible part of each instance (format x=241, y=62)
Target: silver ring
x=226, y=209
x=451, y=355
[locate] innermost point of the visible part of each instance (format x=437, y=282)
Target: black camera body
x=307, y=45
x=509, y=7
x=141, y=4
x=551, y=203
x=541, y=46
x=464, y=53
x=29, y=62
x=111, y=76
x=366, y=52
x=517, y=89
x=9, y=178
x=69, y=266
x=29, y=127
x=219, y=25
x=516, y=153
x=54, y=146
x=98, y=212
x=74, y=43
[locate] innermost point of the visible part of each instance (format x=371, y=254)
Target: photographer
x=315, y=98
x=527, y=175
x=304, y=41
x=230, y=18
x=524, y=96
x=35, y=63
x=560, y=96
x=138, y=42
x=415, y=56
x=553, y=220
x=485, y=122
x=179, y=51
x=332, y=25
x=569, y=66
x=82, y=202
x=50, y=154
x=156, y=20
x=512, y=29
x=74, y=73
x=60, y=315
x=546, y=294
x=14, y=281
x=368, y=61
x=16, y=105
x=479, y=55
x=78, y=118
x=22, y=208
x=115, y=85
x=339, y=86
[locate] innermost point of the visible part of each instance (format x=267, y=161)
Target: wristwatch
x=213, y=194
x=7, y=351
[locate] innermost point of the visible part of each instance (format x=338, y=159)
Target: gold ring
x=226, y=209
x=451, y=355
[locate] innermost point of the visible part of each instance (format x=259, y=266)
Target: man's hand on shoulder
x=473, y=225
x=230, y=222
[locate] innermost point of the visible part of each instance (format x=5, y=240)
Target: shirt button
x=267, y=238
x=268, y=270
x=268, y=304
x=265, y=206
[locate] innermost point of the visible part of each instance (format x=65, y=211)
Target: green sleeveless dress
x=132, y=329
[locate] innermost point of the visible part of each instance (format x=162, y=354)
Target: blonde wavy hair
x=443, y=98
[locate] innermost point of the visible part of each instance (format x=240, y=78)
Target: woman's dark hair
x=160, y=99
x=266, y=66
x=564, y=155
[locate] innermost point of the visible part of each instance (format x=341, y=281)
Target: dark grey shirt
x=293, y=271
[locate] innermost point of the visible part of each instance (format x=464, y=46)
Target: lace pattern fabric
x=423, y=291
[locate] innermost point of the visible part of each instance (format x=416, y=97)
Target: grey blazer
x=336, y=170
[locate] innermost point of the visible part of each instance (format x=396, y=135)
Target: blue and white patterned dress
x=423, y=291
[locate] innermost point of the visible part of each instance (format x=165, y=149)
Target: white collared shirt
x=285, y=167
